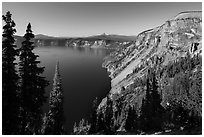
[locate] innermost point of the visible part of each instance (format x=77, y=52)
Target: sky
x=66, y=19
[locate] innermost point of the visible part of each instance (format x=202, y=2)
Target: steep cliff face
x=157, y=48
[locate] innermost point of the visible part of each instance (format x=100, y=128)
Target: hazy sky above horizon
x=85, y=19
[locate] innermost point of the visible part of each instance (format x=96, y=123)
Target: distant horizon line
x=182, y=12
x=79, y=36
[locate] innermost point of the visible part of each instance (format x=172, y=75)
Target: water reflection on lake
x=83, y=78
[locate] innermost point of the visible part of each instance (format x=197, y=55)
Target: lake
x=83, y=78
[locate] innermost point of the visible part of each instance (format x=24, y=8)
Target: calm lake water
x=83, y=78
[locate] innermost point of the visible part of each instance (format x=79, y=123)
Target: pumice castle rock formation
x=156, y=48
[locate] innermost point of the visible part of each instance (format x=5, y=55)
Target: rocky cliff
x=98, y=41
x=155, y=47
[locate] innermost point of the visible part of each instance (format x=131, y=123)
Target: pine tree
x=54, y=123
x=158, y=110
x=109, y=121
x=117, y=121
x=146, y=108
x=101, y=122
x=94, y=121
x=151, y=109
x=82, y=128
x=156, y=99
x=32, y=86
x=131, y=121
x=9, y=78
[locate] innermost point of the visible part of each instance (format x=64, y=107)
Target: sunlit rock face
x=154, y=47
x=98, y=41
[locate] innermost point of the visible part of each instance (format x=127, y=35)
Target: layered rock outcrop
x=155, y=47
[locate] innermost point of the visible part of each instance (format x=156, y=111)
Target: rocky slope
x=155, y=47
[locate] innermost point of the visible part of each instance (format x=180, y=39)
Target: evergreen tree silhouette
x=146, y=108
x=156, y=99
x=82, y=129
x=101, y=121
x=131, y=121
x=32, y=86
x=151, y=110
x=9, y=78
x=94, y=121
x=54, y=121
x=109, y=122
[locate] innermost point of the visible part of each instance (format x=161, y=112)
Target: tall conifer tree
x=9, y=78
x=54, y=121
x=151, y=109
x=131, y=121
x=94, y=118
x=32, y=86
x=101, y=121
x=109, y=121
